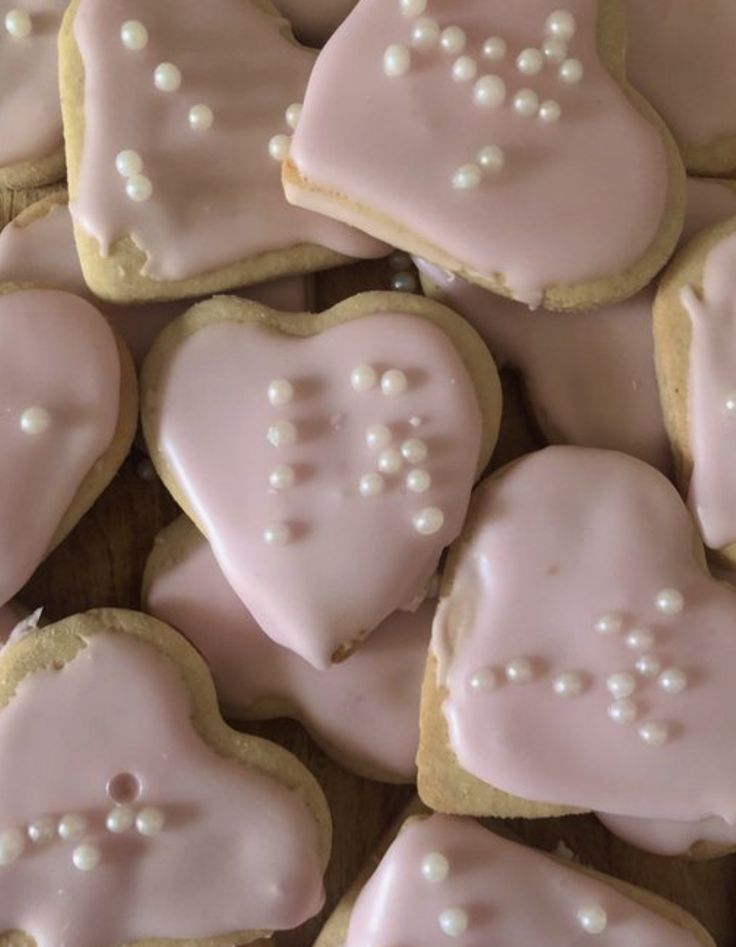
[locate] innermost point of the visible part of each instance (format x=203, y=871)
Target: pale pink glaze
x=43, y=252
x=217, y=194
x=513, y=896
x=119, y=707
x=367, y=707
x=57, y=353
x=667, y=837
x=30, y=116
x=352, y=560
x=712, y=377
x=561, y=538
x=314, y=21
x=680, y=56
x=577, y=201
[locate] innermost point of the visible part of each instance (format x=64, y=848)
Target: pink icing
x=239, y=61
x=59, y=354
x=119, y=707
x=512, y=895
x=680, y=56
x=212, y=416
x=559, y=539
x=30, y=117
x=578, y=200
x=367, y=707
x=667, y=837
x=314, y=22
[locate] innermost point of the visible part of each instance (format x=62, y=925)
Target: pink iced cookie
x=702, y=838
x=123, y=789
x=365, y=711
x=444, y=129
x=327, y=458
x=314, y=21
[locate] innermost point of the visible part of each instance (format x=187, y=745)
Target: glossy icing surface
x=120, y=708
x=30, y=116
x=366, y=707
x=364, y=134
x=667, y=837
x=238, y=61
x=560, y=539
x=56, y=353
x=212, y=422
x=314, y=22
x=510, y=895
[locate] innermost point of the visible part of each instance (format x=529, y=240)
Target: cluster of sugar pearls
x=281, y=434
x=280, y=145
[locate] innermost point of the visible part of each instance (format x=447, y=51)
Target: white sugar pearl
x=554, y=49
x=42, y=830
x=371, y=485
x=34, y=420
x=134, y=35
x=593, y=919
x=654, y=733
x=623, y=711
x=404, y=283
x=484, y=679
x=120, y=819
x=492, y=158
x=530, y=62
x=669, y=601
x=378, y=436
x=494, y=49
x=489, y=92
x=279, y=147
x=414, y=451
x=453, y=921
x=150, y=821
x=201, y=118
x=562, y=24
x=467, y=177
x=12, y=844
x=396, y=60
x=282, y=477
x=519, y=671
x=281, y=434
x=526, y=103
x=621, y=684
x=571, y=71
x=673, y=681
x=428, y=521
x=729, y=404
x=550, y=112
x=18, y=24
x=425, y=34
x=138, y=188
x=640, y=639
x=464, y=69
x=453, y=40
x=128, y=163
x=280, y=392
x=389, y=461
x=278, y=534
x=418, y=481
x=394, y=382
x=363, y=378
x=293, y=114
x=72, y=827
x=610, y=623
x=568, y=684
x=167, y=77
x=399, y=260
x=86, y=857
x=435, y=867
x=647, y=665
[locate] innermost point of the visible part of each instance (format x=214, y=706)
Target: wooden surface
x=101, y=563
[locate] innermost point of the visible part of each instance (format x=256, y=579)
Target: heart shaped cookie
x=68, y=413
x=327, y=458
x=123, y=788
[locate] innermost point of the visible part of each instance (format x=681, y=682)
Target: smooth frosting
x=43, y=252
x=367, y=708
x=668, y=837
x=212, y=417
x=30, y=116
x=578, y=200
x=241, y=63
x=558, y=540
x=314, y=22
x=57, y=353
x=511, y=895
x=680, y=56
x=120, y=707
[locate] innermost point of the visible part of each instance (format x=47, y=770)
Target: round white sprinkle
x=201, y=118
x=363, y=378
x=485, y=679
x=280, y=392
x=610, y=623
x=623, y=711
x=72, y=827
x=571, y=71
x=403, y=283
x=42, y=830
x=394, y=382
x=593, y=919
x=428, y=521
x=467, y=177
x=672, y=681
x=86, y=857
x=464, y=69
x=412, y=7
x=669, y=602
x=150, y=821
x=279, y=147
x=18, y=24
x=378, y=436
x=415, y=421
x=34, y=420
x=389, y=461
x=640, y=639
x=435, y=867
x=282, y=477
x=568, y=684
x=293, y=114
x=134, y=35
x=281, y=434
x=128, y=163
x=138, y=188
x=647, y=665
x=494, y=49
x=489, y=92
x=371, y=485
x=729, y=404
x=530, y=62
x=120, y=819
x=418, y=481
x=554, y=49
x=396, y=60
x=492, y=158
x=425, y=34
x=550, y=112
x=519, y=671
x=278, y=534
x=166, y=77
x=654, y=733
x=12, y=844
x=621, y=684
x=526, y=103
x=453, y=921
x=399, y=260
x=562, y=24
x=453, y=40
x=414, y=451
